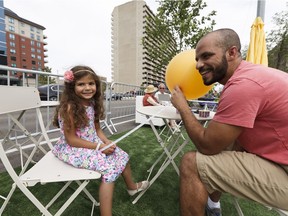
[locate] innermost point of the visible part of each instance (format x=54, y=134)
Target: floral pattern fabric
x=110, y=166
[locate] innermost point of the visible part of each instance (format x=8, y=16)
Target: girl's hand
x=108, y=142
x=109, y=150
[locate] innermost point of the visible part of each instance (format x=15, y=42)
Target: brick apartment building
x=25, y=45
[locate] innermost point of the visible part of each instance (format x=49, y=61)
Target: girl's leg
x=106, y=198
x=127, y=175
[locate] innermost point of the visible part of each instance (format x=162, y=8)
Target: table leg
x=162, y=143
x=162, y=169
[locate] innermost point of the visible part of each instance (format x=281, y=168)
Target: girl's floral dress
x=110, y=166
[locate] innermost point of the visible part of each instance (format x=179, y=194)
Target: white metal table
x=172, y=146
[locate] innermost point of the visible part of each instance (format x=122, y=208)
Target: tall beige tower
x=130, y=60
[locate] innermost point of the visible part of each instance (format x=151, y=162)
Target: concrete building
x=131, y=62
x=25, y=42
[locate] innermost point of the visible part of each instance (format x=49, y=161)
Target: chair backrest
x=139, y=101
x=15, y=101
x=17, y=98
x=140, y=118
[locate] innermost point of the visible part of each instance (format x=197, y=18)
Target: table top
x=204, y=101
x=168, y=112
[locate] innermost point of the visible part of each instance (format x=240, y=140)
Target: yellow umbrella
x=257, y=52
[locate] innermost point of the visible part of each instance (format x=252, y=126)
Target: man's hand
x=178, y=99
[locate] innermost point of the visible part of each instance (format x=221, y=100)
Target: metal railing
x=119, y=100
x=121, y=103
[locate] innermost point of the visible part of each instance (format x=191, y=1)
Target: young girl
x=81, y=140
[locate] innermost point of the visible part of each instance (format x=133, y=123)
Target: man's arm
x=211, y=140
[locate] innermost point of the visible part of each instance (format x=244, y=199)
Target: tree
x=181, y=23
x=43, y=79
x=277, y=42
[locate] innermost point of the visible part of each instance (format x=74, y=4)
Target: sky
x=79, y=31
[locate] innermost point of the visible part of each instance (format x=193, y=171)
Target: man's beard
x=218, y=73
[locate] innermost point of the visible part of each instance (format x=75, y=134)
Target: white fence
x=119, y=103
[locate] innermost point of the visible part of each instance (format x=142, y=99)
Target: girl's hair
x=70, y=103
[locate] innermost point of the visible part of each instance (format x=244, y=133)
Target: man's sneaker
x=212, y=212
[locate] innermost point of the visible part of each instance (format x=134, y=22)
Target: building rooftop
x=12, y=14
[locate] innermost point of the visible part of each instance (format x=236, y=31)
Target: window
x=33, y=63
x=12, y=51
x=32, y=43
x=12, y=36
x=32, y=29
x=11, y=20
x=33, y=56
x=12, y=44
x=23, y=46
x=22, y=24
x=32, y=36
x=11, y=28
x=23, y=32
x=37, y=31
x=32, y=49
x=13, y=65
x=38, y=44
x=23, y=39
x=38, y=37
x=13, y=58
x=38, y=51
x=39, y=57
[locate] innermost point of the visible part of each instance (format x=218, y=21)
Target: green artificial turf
x=161, y=199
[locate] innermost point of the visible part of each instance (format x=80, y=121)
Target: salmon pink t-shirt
x=256, y=98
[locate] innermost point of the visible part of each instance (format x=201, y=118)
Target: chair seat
x=51, y=169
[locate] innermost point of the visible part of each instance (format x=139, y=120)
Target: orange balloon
x=182, y=71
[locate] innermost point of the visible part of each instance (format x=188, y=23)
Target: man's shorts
x=245, y=175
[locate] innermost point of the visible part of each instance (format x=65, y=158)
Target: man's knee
x=188, y=164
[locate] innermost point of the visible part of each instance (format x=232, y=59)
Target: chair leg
x=237, y=206
x=7, y=198
x=279, y=211
x=240, y=213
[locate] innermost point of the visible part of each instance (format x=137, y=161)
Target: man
x=161, y=88
x=251, y=118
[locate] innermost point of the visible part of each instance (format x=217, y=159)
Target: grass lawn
x=162, y=198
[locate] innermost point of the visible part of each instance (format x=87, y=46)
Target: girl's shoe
x=144, y=186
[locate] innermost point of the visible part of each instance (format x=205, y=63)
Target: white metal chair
x=240, y=213
x=139, y=118
x=15, y=101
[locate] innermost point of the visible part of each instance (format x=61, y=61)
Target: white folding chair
x=17, y=100
x=240, y=213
